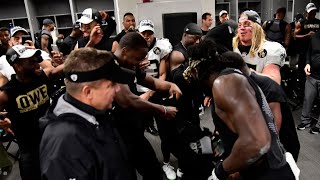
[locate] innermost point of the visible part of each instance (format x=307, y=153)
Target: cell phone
x=55, y=48
x=26, y=38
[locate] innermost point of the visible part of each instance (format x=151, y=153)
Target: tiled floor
x=309, y=160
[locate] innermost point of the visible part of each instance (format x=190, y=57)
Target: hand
x=307, y=69
x=104, y=15
x=57, y=58
x=207, y=101
x=145, y=96
x=30, y=45
x=174, y=91
x=144, y=64
x=5, y=124
x=131, y=29
x=96, y=35
x=311, y=33
x=234, y=176
x=170, y=112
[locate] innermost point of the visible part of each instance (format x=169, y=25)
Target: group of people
x=95, y=130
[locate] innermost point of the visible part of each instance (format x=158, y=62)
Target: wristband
x=220, y=172
x=165, y=110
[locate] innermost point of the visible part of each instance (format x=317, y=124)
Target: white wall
x=155, y=9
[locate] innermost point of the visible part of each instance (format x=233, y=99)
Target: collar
x=152, y=44
x=84, y=107
x=183, y=45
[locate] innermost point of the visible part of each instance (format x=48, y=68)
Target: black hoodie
x=80, y=143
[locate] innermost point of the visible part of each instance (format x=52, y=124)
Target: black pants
x=194, y=166
x=141, y=154
x=29, y=164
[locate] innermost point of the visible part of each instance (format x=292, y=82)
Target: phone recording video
x=26, y=38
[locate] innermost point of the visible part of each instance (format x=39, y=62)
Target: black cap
x=251, y=15
x=193, y=29
x=110, y=71
x=47, y=21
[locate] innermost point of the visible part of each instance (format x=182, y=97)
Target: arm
x=45, y=64
x=240, y=111
x=160, y=85
x=4, y=124
x=126, y=99
x=115, y=45
x=298, y=30
x=287, y=36
x=162, y=76
x=3, y=80
x=307, y=68
x=276, y=111
x=264, y=25
x=272, y=71
x=95, y=36
x=176, y=58
x=45, y=43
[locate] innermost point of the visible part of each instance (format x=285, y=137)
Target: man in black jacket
x=312, y=70
x=79, y=140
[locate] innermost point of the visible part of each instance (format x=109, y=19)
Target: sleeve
x=111, y=27
x=5, y=68
x=140, y=75
x=309, y=51
x=65, y=168
x=165, y=46
x=276, y=54
x=65, y=157
x=65, y=48
x=45, y=55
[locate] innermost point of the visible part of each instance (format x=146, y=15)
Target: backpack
x=275, y=30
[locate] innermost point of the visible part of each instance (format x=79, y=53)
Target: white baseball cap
x=89, y=15
x=16, y=29
x=146, y=25
x=20, y=52
x=310, y=7
x=223, y=12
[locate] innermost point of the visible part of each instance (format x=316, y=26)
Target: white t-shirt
x=7, y=70
x=272, y=53
x=161, y=48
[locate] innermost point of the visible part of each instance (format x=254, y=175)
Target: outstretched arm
x=126, y=99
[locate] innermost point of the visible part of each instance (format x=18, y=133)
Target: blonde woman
x=262, y=56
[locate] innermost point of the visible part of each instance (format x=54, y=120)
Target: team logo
x=262, y=54
x=243, y=54
x=74, y=77
x=157, y=50
x=282, y=56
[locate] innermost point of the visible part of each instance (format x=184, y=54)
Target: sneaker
x=179, y=173
x=314, y=130
x=303, y=126
x=169, y=171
